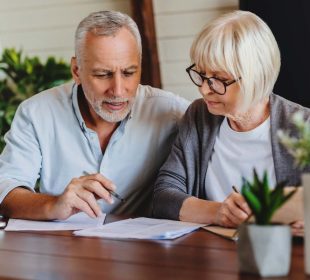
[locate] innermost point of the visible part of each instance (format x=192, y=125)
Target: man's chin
x=113, y=117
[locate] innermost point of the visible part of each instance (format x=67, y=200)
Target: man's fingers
x=96, y=188
x=83, y=206
x=90, y=200
x=81, y=195
x=106, y=183
x=99, y=185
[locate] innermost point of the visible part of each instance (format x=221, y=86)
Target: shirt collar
x=76, y=108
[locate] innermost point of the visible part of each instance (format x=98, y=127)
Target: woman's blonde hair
x=242, y=45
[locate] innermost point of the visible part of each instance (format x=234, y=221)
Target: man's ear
x=75, y=70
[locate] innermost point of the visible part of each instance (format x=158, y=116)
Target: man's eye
x=104, y=75
x=128, y=74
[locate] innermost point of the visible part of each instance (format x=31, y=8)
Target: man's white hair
x=104, y=23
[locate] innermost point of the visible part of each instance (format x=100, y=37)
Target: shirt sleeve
x=20, y=160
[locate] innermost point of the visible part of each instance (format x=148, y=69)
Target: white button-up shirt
x=50, y=142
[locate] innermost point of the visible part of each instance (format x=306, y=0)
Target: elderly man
x=84, y=141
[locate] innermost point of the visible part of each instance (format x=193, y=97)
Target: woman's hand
x=298, y=228
x=233, y=211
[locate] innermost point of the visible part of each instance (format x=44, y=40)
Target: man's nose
x=118, y=85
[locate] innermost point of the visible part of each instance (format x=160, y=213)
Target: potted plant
x=299, y=148
x=264, y=248
x=22, y=77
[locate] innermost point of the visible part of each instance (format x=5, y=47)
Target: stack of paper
x=229, y=233
x=141, y=228
x=75, y=222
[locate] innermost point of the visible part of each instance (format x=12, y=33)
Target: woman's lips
x=212, y=103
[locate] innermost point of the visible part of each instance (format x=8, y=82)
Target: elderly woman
x=232, y=129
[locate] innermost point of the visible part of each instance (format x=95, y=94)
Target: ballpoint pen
x=116, y=195
x=245, y=221
x=235, y=189
x=110, y=191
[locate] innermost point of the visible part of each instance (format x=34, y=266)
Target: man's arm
x=20, y=161
x=22, y=203
x=80, y=195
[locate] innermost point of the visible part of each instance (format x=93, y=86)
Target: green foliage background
x=298, y=146
x=23, y=77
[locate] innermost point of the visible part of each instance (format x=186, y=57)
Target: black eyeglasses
x=217, y=85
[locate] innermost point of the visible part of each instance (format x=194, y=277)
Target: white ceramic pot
x=265, y=250
x=306, y=185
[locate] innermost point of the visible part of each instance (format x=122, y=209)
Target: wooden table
x=59, y=255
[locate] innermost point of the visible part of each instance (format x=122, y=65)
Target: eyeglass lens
x=215, y=84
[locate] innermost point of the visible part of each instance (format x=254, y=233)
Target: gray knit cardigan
x=183, y=174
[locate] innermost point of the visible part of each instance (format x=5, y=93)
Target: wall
x=46, y=27
x=177, y=22
x=293, y=38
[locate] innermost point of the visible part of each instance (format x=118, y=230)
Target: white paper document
x=75, y=222
x=141, y=228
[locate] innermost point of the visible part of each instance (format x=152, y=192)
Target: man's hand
x=233, y=211
x=81, y=195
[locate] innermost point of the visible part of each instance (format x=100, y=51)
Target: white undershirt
x=234, y=156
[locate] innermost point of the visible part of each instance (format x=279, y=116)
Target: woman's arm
x=229, y=213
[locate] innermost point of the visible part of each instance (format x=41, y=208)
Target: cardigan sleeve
x=171, y=188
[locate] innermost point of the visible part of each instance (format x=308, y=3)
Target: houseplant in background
x=22, y=77
x=264, y=248
x=299, y=148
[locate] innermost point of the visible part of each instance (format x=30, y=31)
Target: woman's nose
x=205, y=88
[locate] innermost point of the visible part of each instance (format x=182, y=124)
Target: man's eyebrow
x=106, y=70
x=101, y=70
x=133, y=67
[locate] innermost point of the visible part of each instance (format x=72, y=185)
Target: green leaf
x=266, y=190
x=261, y=199
x=24, y=77
x=250, y=197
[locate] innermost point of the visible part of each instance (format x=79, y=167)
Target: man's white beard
x=115, y=116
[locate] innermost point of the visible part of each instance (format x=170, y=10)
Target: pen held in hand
x=116, y=195
x=235, y=189
x=234, y=236
x=249, y=216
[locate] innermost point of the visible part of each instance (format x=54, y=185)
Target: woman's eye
x=221, y=78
